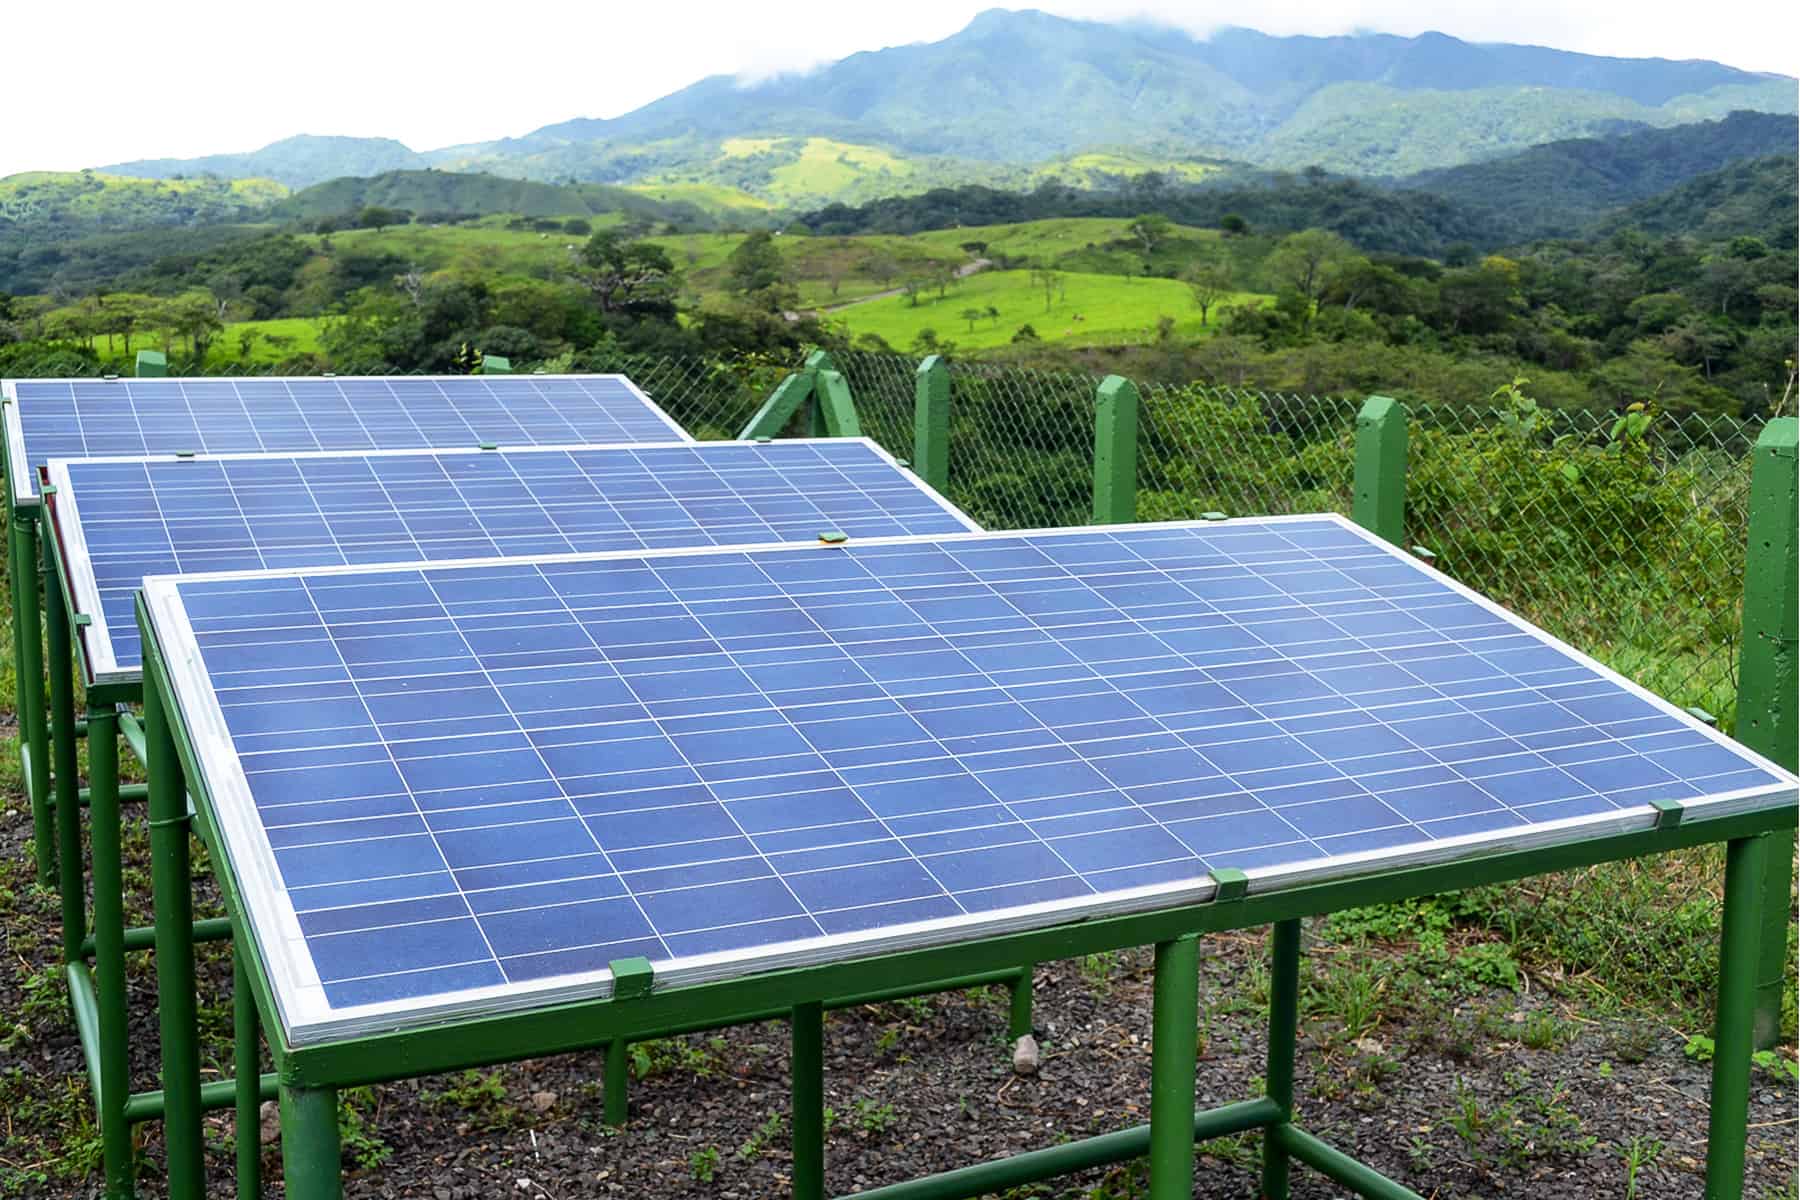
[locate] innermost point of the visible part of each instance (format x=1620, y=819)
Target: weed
x=1782, y=1070
x=1484, y=965
x=872, y=1117
x=358, y=1110
x=1631, y=1042
x=757, y=1142
x=1639, y=1153
x=1544, y=1030
x=889, y=1038
x=703, y=1164
x=1699, y=1048
x=1097, y=971
x=480, y=1096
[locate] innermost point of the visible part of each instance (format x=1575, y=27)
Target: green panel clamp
x=1231, y=884
x=152, y=364
x=632, y=978
x=832, y=537
x=495, y=364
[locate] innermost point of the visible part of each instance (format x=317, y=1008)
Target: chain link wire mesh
x=1624, y=536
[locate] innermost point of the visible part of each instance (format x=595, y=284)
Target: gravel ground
x=1455, y=1102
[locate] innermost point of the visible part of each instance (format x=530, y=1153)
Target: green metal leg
x=809, y=1101
x=618, y=1082
x=30, y=670
x=310, y=1154
x=247, y=1068
x=172, y=885
x=1284, y=1019
x=1777, y=911
x=1019, y=1020
x=1174, y=1024
x=1739, y=946
x=109, y=946
x=68, y=811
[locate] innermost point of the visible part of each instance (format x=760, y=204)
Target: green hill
x=431, y=191
x=72, y=203
x=1757, y=198
x=295, y=161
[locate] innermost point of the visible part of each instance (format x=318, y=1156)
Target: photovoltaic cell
x=120, y=520
x=456, y=789
x=92, y=418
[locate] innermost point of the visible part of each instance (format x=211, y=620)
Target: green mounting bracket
x=763, y=440
x=632, y=978
x=82, y=619
x=1232, y=884
x=1701, y=715
x=904, y=462
x=1214, y=516
x=1668, y=813
x=488, y=446
x=1423, y=553
x=184, y=454
x=152, y=364
x=49, y=489
x=496, y=364
x=832, y=537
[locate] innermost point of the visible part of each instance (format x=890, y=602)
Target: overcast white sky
x=88, y=84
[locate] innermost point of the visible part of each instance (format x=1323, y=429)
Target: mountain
x=1014, y=89
x=52, y=204
x=1755, y=198
x=1555, y=189
x=295, y=161
x=448, y=192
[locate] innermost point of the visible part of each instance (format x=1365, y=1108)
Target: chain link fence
x=1624, y=536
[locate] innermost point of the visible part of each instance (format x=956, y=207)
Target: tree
x=635, y=278
x=1050, y=281
x=1149, y=229
x=1305, y=262
x=881, y=268
x=992, y=314
x=376, y=217
x=578, y=226
x=1232, y=225
x=756, y=264
x=1208, y=283
x=974, y=249
x=972, y=315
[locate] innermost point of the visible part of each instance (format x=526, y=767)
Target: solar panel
x=459, y=789
x=92, y=418
x=120, y=520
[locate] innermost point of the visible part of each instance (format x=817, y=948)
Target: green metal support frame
x=824, y=392
x=309, y=1076
x=1769, y=678
x=931, y=423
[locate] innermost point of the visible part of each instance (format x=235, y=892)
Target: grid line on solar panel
x=91, y=418
x=779, y=754
x=123, y=519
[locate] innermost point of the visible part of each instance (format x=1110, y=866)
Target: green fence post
x=65, y=778
x=152, y=364
x=1728, y=1126
x=172, y=888
x=1284, y=1019
x=931, y=423
x=1018, y=1015
x=495, y=364
x=808, y=1089
x=1767, y=679
x=832, y=401
x=311, y=1155
x=1174, y=1028
x=1379, y=504
x=1115, y=451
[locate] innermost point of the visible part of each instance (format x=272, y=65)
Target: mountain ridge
x=1015, y=87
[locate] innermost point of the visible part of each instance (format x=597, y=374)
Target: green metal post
x=152, y=364
x=1174, y=1025
x=1115, y=451
x=66, y=802
x=1284, y=1019
x=171, y=881
x=33, y=727
x=104, y=834
x=22, y=574
x=1739, y=945
x=247, y=1072
x=808, y=1086
x=1769, y=677
x=779, y=408
x=311, y=1156
x=495, y=364
x=618, y=1081
x=1379, y=504
x=818, y=362
x=931, y=422
x=1019, y=1018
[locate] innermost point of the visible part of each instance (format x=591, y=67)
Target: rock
x=1026, y=1057
x=269, y=1118
x=543, y=1101
x=1369, y=1046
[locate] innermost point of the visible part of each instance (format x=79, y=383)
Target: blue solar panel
x=455, y=788
x=92, y=418
x=122, y=519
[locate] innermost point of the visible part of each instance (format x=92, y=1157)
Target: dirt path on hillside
x=962, y=272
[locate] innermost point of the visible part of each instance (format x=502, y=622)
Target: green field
x=263, y=343
x=1086, y=309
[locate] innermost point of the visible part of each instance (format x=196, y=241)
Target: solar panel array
x=121, y=520
x=89, y=418
x=472, y=785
